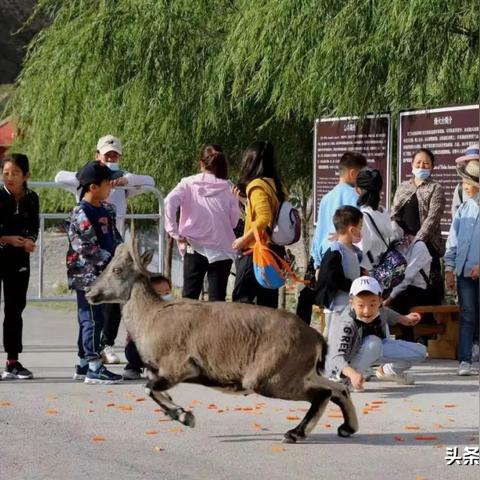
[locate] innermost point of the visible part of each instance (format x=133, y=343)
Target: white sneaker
x=386, y=373
x=465, y=369
x=109, y=355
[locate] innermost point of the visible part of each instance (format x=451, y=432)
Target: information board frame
x=426, y=112
x=389, y=150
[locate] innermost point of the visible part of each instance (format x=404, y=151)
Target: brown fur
x=238, y=347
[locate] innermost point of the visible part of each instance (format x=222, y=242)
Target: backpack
x=270, y=270
x=390, y=270
x=287, y=226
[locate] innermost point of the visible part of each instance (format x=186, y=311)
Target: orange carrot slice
x=412, y=427
x=426, y=437
x=98, y=438
x=151, y=432
x=140, y=399
x=292, y=417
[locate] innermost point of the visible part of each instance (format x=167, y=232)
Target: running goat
x=238, y=348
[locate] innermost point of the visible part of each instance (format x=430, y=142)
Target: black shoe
x=80, y=372
x=16, y=370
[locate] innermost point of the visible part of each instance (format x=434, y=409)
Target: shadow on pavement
x=463, y=437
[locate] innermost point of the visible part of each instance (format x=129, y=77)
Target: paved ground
x=54, y=428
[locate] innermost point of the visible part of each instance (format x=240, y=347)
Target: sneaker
x=80, y=372
x=386, y=373
x=132, y=374
x=102, y=376
x=475, y=353
x=465, y=369
x=16, y=370
x=109, y=355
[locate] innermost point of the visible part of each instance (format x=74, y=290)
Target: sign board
x=446, y=132
x=335, y=136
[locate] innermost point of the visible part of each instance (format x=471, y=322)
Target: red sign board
x=335, y=136
x=447, y=132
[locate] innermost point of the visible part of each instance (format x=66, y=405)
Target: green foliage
x=166, y=76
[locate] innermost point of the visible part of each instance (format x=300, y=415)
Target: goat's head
x=115, y=283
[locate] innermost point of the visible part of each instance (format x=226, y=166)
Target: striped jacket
x=431, y=206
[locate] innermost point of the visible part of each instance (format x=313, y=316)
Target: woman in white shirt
x=415, y=289
x=377, y=231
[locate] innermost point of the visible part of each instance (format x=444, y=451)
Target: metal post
x=40, y=259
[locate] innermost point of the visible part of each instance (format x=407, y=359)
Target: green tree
x=168, y=75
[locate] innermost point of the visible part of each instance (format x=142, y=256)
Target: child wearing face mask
x=134, y=368
x=110, y=153
x=360, y=338
x=340, y=265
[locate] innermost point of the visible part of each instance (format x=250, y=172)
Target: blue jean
x=400, y=354
x=90, y=320
x=468, y=297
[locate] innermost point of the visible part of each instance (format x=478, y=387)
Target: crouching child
x=93, y=238
x=360, y=338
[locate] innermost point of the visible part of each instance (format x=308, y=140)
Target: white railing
x=40, y=297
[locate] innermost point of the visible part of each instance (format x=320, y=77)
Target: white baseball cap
x=109, y=143
x=365, y=284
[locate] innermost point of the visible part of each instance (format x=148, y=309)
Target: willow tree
x=167, y=76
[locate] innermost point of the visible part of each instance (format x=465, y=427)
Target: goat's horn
x=135, y=254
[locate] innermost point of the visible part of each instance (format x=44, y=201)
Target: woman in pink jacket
x=208, y=214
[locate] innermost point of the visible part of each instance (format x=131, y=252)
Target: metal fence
x=39, y=252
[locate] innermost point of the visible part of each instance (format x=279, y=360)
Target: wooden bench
x=446, y=330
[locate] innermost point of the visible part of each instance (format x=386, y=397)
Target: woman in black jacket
x=19, y=224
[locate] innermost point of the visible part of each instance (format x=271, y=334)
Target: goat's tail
x=323, y=355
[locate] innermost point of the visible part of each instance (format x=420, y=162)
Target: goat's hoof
x=345, y=430
x=292, y=436
x=187, y=418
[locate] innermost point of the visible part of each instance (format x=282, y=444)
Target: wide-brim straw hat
x=470, y=172
x=472, y=152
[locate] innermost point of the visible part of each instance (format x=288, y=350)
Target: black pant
x=306, y=301
x=247, y=289
x=195, y=266
x=112, y=316
x=404, y=301
x=14, y=274
x=133, y=357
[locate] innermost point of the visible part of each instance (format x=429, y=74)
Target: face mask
x=356, y=236
x=367, y=320
x=421, y=173
x=168, y=297
x=113, y=166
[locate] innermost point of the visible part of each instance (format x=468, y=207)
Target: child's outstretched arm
x=356, y=378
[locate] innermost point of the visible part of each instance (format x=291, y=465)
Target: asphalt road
x=52, y=427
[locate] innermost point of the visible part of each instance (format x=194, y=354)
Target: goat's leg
x=350, y=421
x=320, y=399
x=155, y=389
